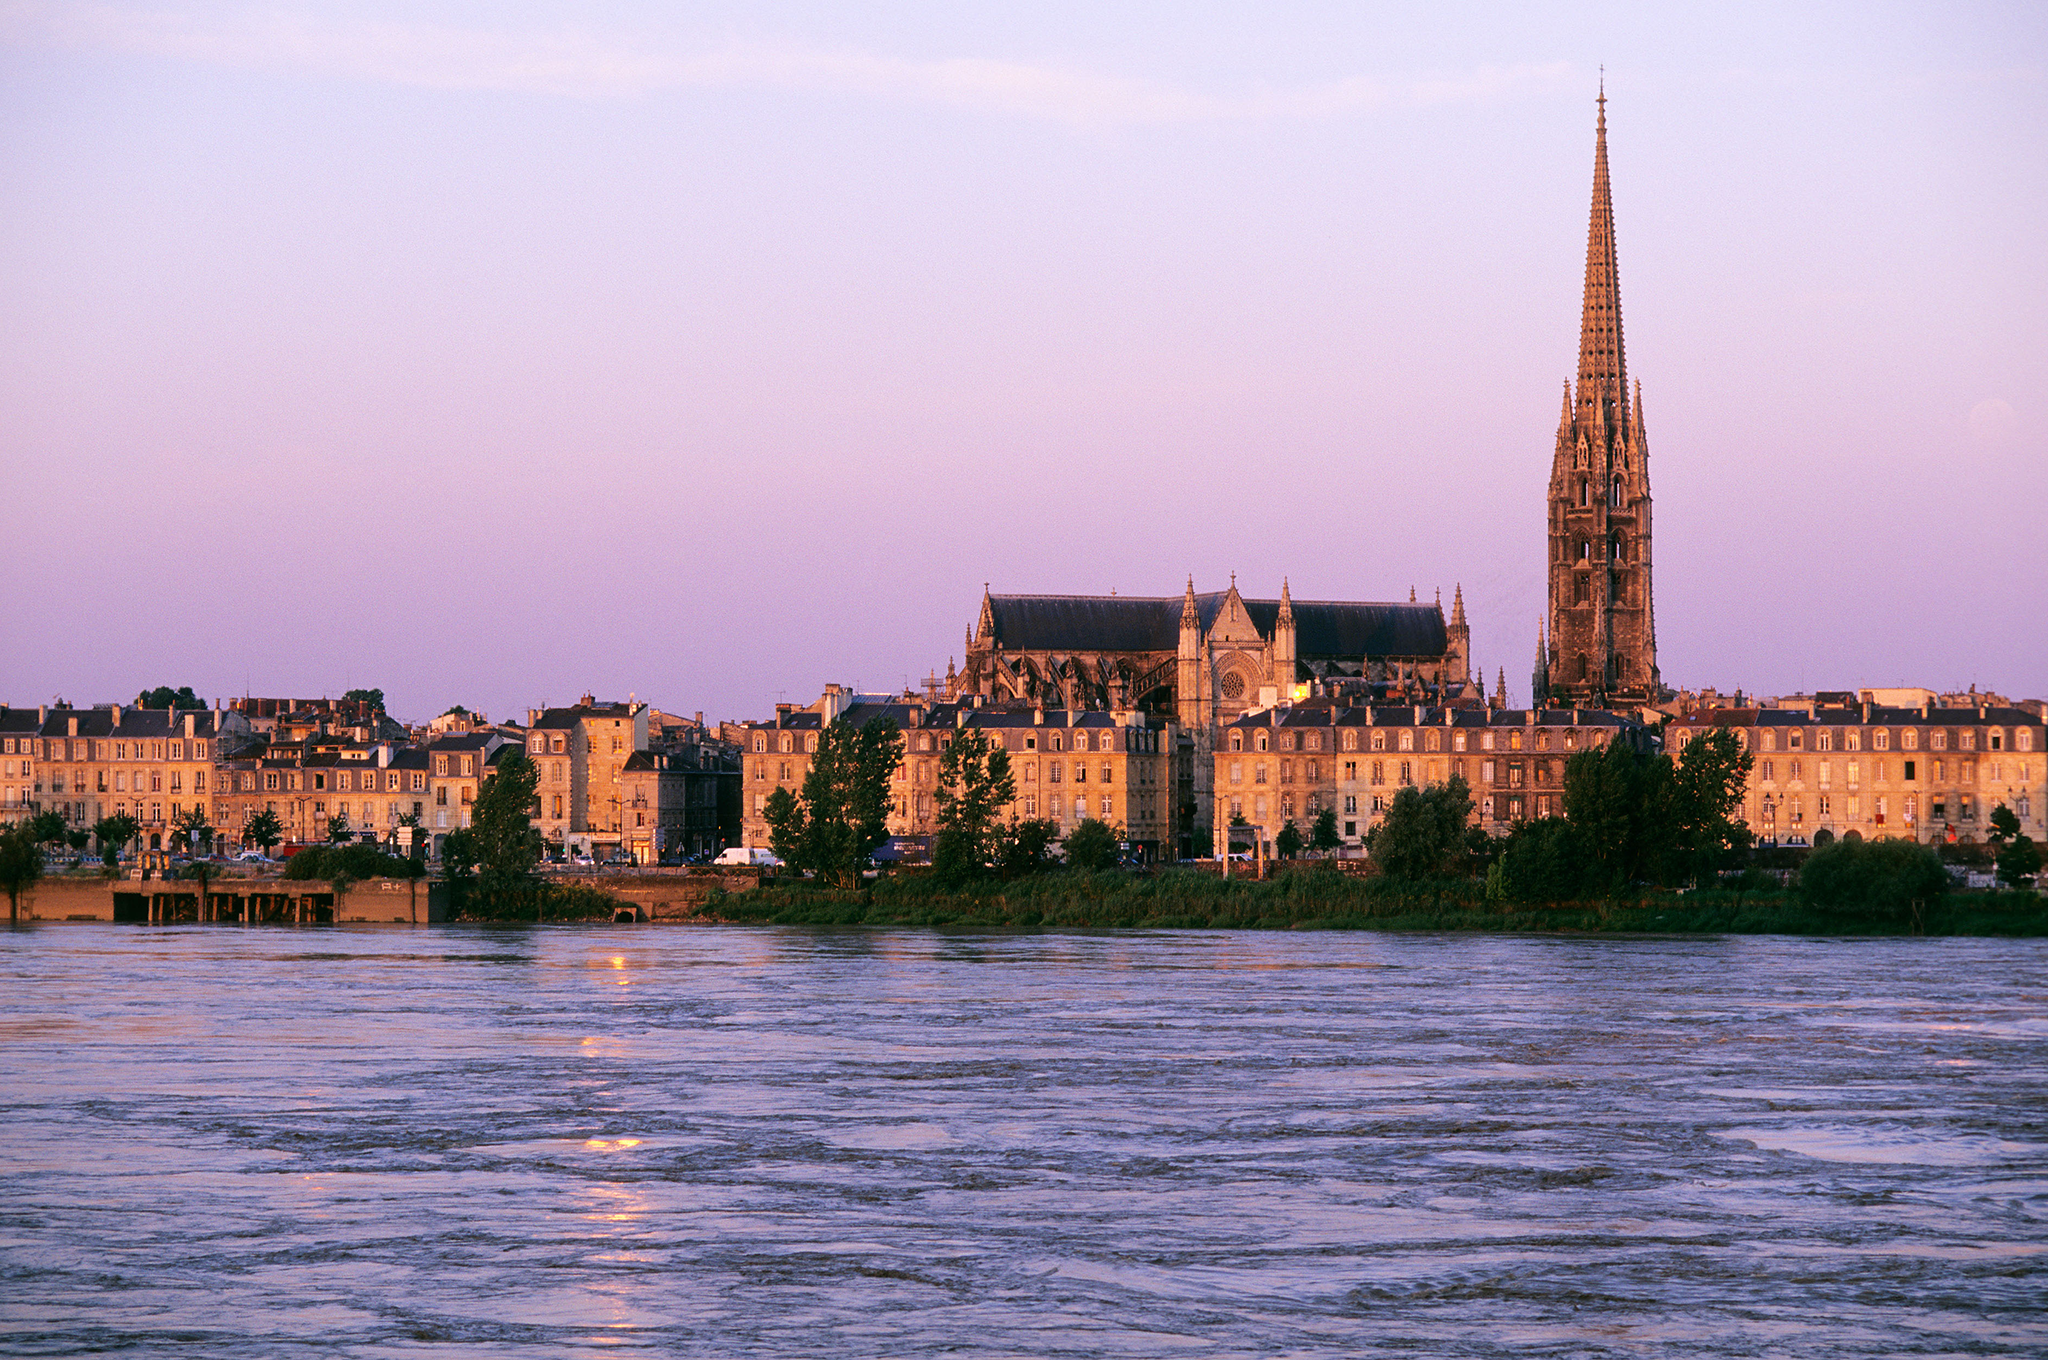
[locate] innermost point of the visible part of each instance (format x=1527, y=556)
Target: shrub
x=1877, y=880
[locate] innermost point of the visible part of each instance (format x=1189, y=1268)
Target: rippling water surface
x=232, y=1142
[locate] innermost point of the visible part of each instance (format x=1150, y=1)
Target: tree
x=1423, y=834
x=1287, y=844
x=113, y=832
x=49, y=828
x=2019, y=859
x=1877, y=879
x=21, y=863
x=2004, y=826
x=339, y=832
x=1322, y=837
x=458, y=869
x=1707, y=788
x=975, y=784
x=191, y=831
x=1543, y=861
x=1092, y=846
x=507, y=846
x=1026, y=847
x=842, y=814
x=1620, y=802
x=163, y=696
x=263, y=831
x=373, y=697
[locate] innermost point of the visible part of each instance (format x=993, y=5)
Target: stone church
x=1598, y=647
x=1202, y=659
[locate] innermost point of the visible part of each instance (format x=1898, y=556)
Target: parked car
x=751, y=855
x=252, y=857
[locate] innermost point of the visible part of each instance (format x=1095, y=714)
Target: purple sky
x=492, y=353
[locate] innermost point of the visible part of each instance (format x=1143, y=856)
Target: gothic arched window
x=1582, y=667
x=1585, y=550
x=1614, y=493
x=1618, y=547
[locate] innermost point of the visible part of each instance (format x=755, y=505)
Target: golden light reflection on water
x=612, y=1144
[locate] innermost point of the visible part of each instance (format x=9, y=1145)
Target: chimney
x=71, y=726
x=190, y=720
x=383, y=754
x=117, y=715
x=533, y=717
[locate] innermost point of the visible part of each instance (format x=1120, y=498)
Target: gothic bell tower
x=1602, y=645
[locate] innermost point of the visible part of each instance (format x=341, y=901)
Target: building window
x=1350, y=741
x=1260, y=741
x=1259, y=773
x=1881, y=740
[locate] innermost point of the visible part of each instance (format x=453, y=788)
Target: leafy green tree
x=21, y=863
x=1026, y=847
x=373, y=697
x=2018, y=859
x=2004, y=826
x=190, y=831
x=501, y=825
x=1707, y=787
x=975, y=785
x=339, y=832
x=1542, y=861
x=1287, y=844
x=1422, y=835
x=455, y=711
x=842, y=815
x=163, y=696
x=1092, y=846
x=458, y=869
x=49, y=828
x=1619, y=800
x=113, y=832
x=77, y=838
x=264, y=831
x=1322, y=837
x=1873, y=879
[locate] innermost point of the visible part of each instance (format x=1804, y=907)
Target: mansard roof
x=1129, y=623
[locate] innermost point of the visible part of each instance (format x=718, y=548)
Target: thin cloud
x=576, y=64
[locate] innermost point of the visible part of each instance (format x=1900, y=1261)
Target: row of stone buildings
x=616, y=779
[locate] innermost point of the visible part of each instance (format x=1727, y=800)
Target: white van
x=749, y=855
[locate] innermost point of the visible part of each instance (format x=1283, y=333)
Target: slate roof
x=1126, y=623
x=1404, y=715
x=135, y=722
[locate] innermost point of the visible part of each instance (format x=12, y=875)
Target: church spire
x=1603, y=372
x=1458, y=606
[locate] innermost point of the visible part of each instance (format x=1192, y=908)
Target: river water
x=381, y=1142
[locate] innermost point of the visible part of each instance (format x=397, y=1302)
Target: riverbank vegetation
x=1316, y=896
x=1648, y=843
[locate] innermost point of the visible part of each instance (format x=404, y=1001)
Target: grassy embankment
x=1316, y=899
